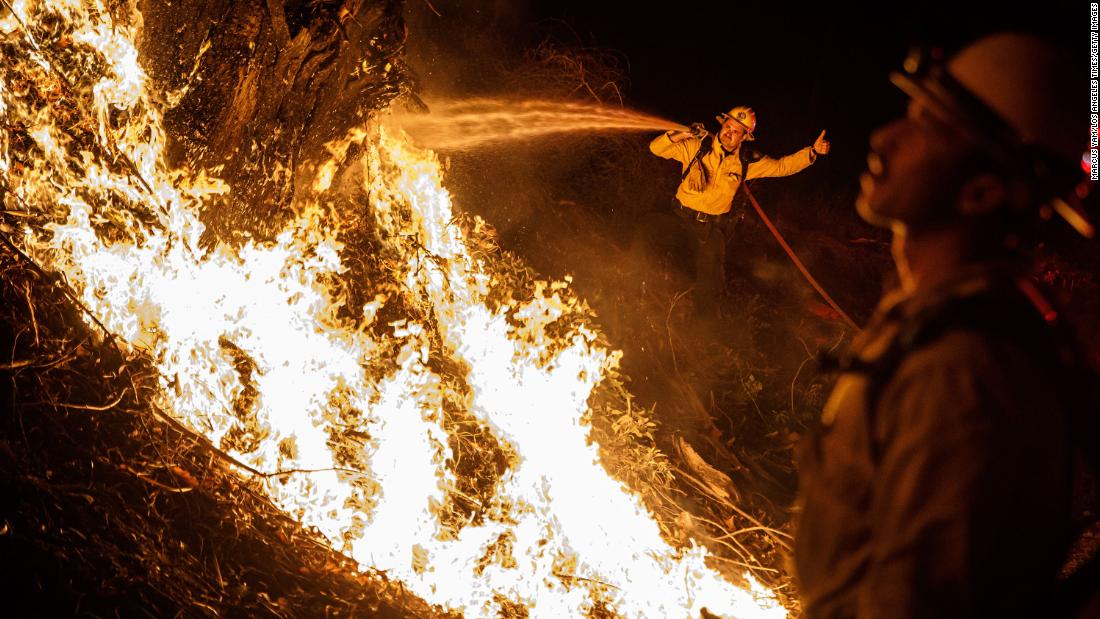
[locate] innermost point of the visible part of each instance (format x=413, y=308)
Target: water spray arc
x=330, y=392
x=464, y=124
x=469, y=124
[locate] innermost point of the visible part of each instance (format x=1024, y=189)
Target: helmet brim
x=939, y=101
x=723, y=117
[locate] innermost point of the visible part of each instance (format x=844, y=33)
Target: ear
x=983, y=194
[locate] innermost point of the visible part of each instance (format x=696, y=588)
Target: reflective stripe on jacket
x=713, y=194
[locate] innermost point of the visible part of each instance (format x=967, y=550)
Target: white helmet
x=742, y=115
x=1014, y=94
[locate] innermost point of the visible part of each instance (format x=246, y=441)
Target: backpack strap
x=748, y=156
x=705, y=146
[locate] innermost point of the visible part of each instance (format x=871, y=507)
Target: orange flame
x=254, y=353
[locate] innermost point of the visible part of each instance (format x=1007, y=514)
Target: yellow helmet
x=744, y=116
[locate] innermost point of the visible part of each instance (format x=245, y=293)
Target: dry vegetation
x=730, y=399
x=114, y=507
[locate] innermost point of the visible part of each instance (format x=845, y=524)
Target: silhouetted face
x=914, y=171
x=731, y=135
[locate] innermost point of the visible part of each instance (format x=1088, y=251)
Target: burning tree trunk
x=389, y=378
x=111, y=508
x=256, y=88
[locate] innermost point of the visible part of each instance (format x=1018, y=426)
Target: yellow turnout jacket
x=713, y=193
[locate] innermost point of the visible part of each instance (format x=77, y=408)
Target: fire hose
x=699, y=131
x=794, y=258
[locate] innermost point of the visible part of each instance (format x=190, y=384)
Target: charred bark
x=255, y=88
x=111, y=508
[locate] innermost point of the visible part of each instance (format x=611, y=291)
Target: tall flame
x=254, y=351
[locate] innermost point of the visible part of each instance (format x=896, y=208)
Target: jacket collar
x=721, y=150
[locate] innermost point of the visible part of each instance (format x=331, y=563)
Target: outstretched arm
x=791, y=164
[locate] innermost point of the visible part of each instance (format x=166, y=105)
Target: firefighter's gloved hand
x=821, y=145
x=698, y=131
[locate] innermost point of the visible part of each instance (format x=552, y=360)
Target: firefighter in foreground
x=712, y=172
x=939, y=481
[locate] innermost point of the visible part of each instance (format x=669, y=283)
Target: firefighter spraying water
x=348, y=422
x=713, y=171
x=714, y=168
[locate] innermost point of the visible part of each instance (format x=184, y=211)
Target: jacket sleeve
x=784, y=166
x=682, y=151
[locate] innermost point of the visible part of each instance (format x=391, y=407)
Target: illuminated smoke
x=254, y=351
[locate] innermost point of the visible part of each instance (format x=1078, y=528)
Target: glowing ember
x=255, y=352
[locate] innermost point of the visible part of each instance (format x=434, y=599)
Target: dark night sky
x=803, y=67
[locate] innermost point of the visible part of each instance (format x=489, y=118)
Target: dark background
x=802, y=66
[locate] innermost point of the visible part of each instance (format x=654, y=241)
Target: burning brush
x=431, y=418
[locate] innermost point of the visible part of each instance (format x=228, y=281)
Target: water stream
x=474, y=123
